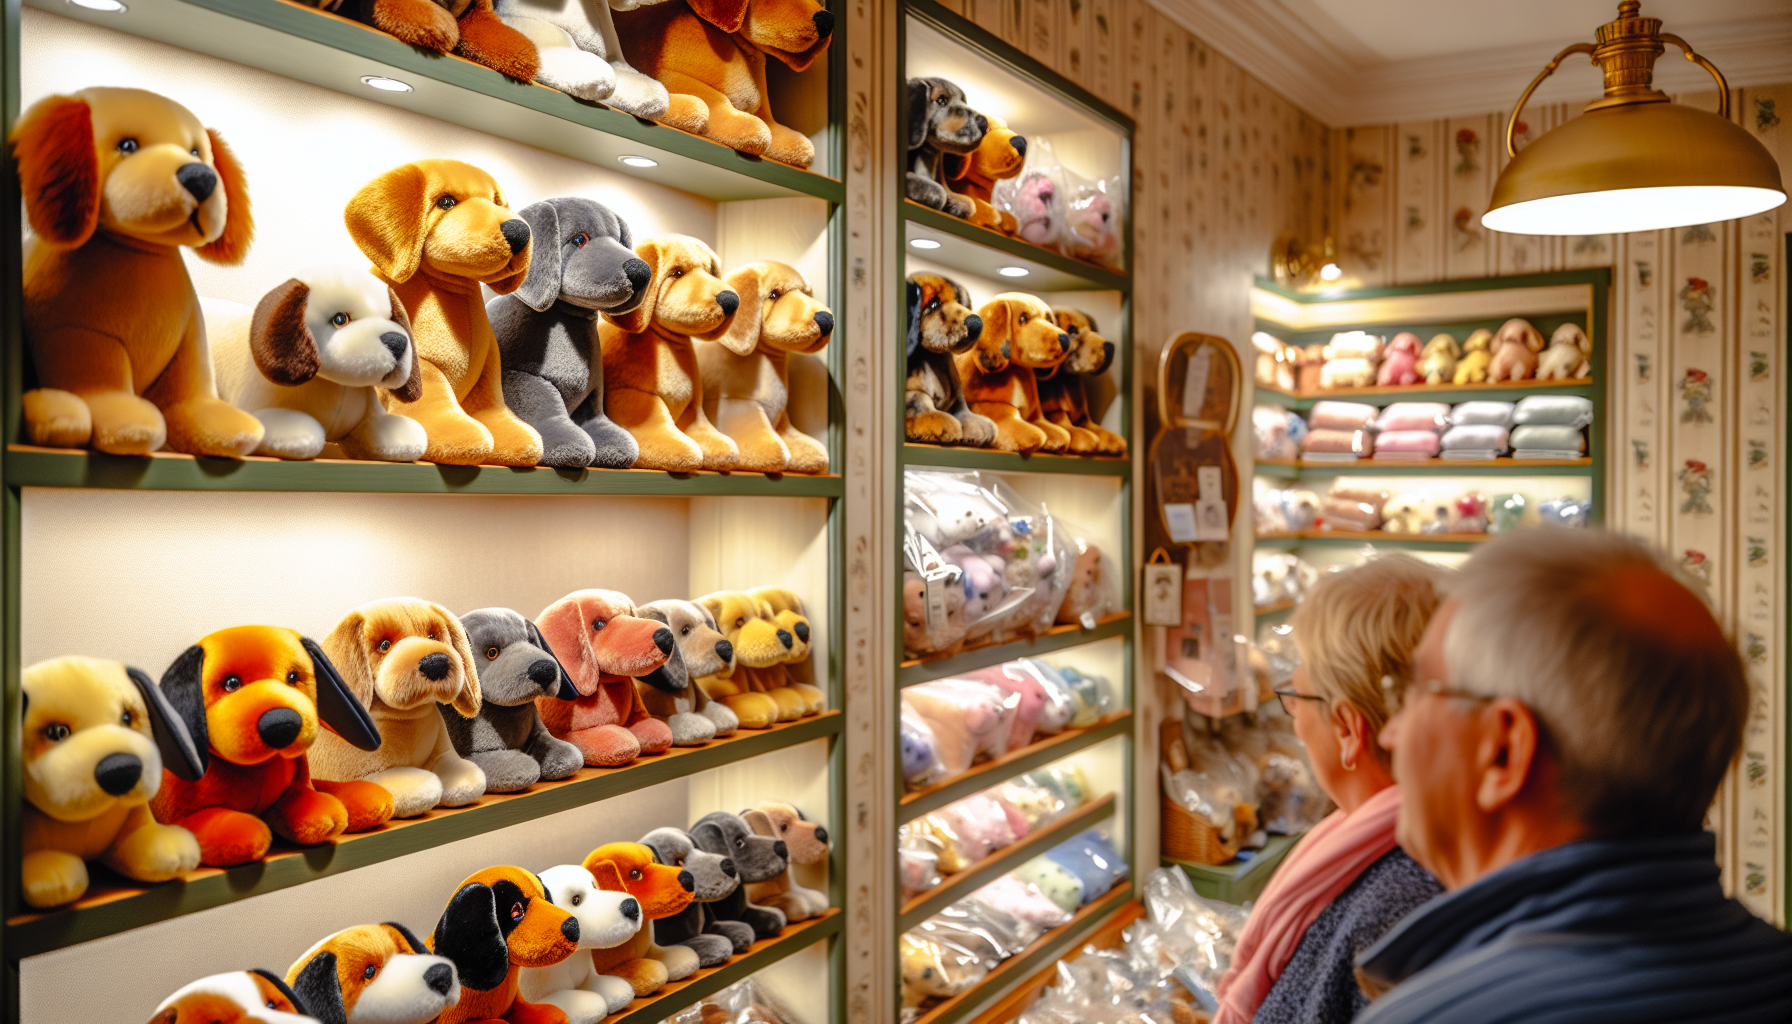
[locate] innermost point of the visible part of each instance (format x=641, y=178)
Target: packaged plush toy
x=969, y=719
x=1094, y=583
x=1022, y=900
x=1037, y=198
x=921, y=764
x=979, y=527
x=1277, y=431
x=1091, y=858
x=1035, y=803
x=935, y=968
x=980, y=823
x=918, y=852
x=1095, y=214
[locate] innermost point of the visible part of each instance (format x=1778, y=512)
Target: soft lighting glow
x=640, y=161
x=1013, y=271
x=106, y=6
x=384, y=84
x=923, y=243
x=1631, y=209
x=1330, y=272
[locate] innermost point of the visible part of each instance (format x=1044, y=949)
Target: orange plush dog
x=252, y=698
x=746, y=377
x=1019, y=336
x=604, y=647
x=436, y=230
x=501, y=919
x=652, y=386
x=1063, y=391
x=1001, y=155
x=115, y=181
x=240, y=997
x=662, y=891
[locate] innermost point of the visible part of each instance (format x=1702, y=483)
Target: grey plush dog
x=704, y=651
x=756, y=858
x=939, y=122
x=508, y=740
x=547, y=330
x=714, y=877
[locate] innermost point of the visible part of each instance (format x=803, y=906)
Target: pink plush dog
x=1400, y=360
x=1515, y=350
x=604, y=647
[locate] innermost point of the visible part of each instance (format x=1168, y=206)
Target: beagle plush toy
x=941, y=324
x=435, y=231
x=1019, y=337
x=706, y=652
x=606, y=919
x=746, y=376
x=1063, y=391
x=507, y=739
x=1001, y=155
x=114, y=182
x=661, y=891
x=400, y=658
x=374, y=974
x=240, y=997
x=95, y=737
x=807, y=844
x=940, y=124
x=758, y=644
x=253, y=699
x=500, y=921
x=311, y=361
x=604, y=646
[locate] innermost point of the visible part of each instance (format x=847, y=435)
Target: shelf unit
x=304, y=49
x=934, y=40
x=1109, y=936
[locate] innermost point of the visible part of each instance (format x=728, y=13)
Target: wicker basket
x=1185, y=835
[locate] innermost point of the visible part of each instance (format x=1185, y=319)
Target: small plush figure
x=1057, y=882
x=985, y=585
x=1477, y=356
x=581, y=56
x=1515, y=350
x=940, y=124
x=1470, y=515
x=706, y=652
x=946, y=637
x=1020, y=337
x=1038, y=209
x=661, y=892
x=469, y=28
x=919, y=762
x=1023, y=900
x=746, y=376
x=240, y=997
x=374, y=972
x=1400, y=361
x=507, y=739
x=798, y=669
x=749, y=627
x=926, y=973
x=604, y=647
x=941, y=325
x=499, y=921
x=1350, y=360
x=1063, y=393
x=713, y=876
x=967, y=718
x=1568, y=355
x=1000, y=156
x=758, y=858
x=807, y=844
x=1437, y=363
x=1091, y=228
x=1405, y=513
x=1086, y=586
x=607, y=919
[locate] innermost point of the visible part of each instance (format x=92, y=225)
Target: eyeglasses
x=1394, y=692
x=1283, y=695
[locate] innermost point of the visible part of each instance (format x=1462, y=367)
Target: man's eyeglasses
x=1394, y=692
x=1292, y=694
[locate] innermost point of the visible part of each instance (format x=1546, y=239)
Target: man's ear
x=1507, y=756
x=541, y=286
x=180, y=754
x=637, y=320
x=386, y=218
x=919, y=120
x=184, y=686
x=742, y=333
x=232, y=244
x=412, y=388
x=59, y=173
x=338, y=707
x=284, y=348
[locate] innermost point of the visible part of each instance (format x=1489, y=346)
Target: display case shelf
x=1108, y=936
x=1429, y=467
x=920, y=670
x=947, y=457
x=706, y=982
x=115, y=904
x=968, y=247
x=1419, y=541
x=1501, y=391
x=1238, y=882
x=997, y=770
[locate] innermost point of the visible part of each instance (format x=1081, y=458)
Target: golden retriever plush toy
x=746, y=376
x=1001, y=155
x=374, y=972
x=807, y=843
x=604, y=647
x=436, y=230
x=652, y=385
x=95, y=736
x=240, y=997
x=748, y=688
x=797, y=670
x=1019, y=336
x=115, y=181
x=1063, y=392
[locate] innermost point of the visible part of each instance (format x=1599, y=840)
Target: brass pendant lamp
x=1634, y=161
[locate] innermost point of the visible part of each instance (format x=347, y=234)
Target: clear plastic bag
x=1092, y=858
x=1277, y=432
x=1094, y=215
x=969, y=719
x=1037, y=198
x=1037, y=803
x=1094, y=589
x=921, y=765
x=934, y=968
x=1022, y=900
x=985, y=927
x=980, y=525
x=1198, y=934
x=981, y=824
x=1291, y=801
x=918, y=852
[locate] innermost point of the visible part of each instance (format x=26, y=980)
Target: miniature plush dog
x=252, y=698
x=758, y=644
x=1477, y=357
x=706, y=652
x=757, y=858
x=1515, y=348
x=1001, y=155
x=1437, y=363
x=95, y=737
x=1064, y=394
x=939, y=123
x=1568, y=355
x=1350, y=360
x=1020, y=337
x=606, y=919
x=652, y=386
x=240, y=997
x=583, y=265
x=374, y=972
x=603, y=647
x=580, y=54
x=1400, y=361
x=746, y=377
x=311, y=360
x=807, y=843
x=941, y=325
x=114, y=182
x=498, y=922
x=662, y=891
x=508, y=740
x=469, y=28
x=400, y=658
x=713, y=876
x=435, y=231
x=797, y=672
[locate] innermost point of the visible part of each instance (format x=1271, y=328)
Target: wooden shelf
x=707, y=982
x=957, y=886
x=967, y=247
x=1108, y=936
x=1505, y=390
x=985, y=774
x=115, y=904
x=1286, y=604
x=1345, y=538
x=1240, y=881
x=1012, y=462
x=920, y=670
x=1428, y=467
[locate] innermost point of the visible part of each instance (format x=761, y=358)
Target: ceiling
x=1351, y=62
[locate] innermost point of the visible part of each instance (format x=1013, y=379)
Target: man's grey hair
x=1642, y=709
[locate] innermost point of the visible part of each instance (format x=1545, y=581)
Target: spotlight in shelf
x=1330, y=272
x=384, y=84
x=1013, y=271
x=639, y=161
x=923, y=243
x=104, y=6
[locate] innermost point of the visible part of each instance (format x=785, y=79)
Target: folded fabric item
x=1352, y=489
x=1432, y=416
x=1480, y=436
x=1340, y=416
x=1556, y=410
x=1337, y=442
x=1345, y=515
x=1419, y=442
x=1534, y=454
x=1493, y=414
x=1551, y=436
x=1471, y=454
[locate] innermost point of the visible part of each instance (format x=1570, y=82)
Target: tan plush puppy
x=1020, y=336
x=798, y=673
x=1437, y=363
x=1568, y=355
x=401, y=657
x=435, y=231
x=115, y=182
x=1001, y=155
x=706, y=652
x=374, y=973
x=758, y=645
x=95, y=735
x=746, y=375
x=652, y=386
x=1515, y=349
x=1064, y=393
x=240, y=997
x=1477, y=356
x=807, y=843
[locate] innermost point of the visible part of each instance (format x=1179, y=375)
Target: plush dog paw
x=289, y=434
x=228, y=838
x=766, y=922
x=414, y=791
x=719, y=450
x=977, y=429
x=154, y=853
x=462, y=781
x=755, y=710
x=932, y=428
x=637, y=94
x=670, y=451
x=52, y=877
x=566, y=447
x=418, y=22
x=654, y=735
x=560, y=760
x=514, y=443
x=606, y=746
x=645, y=976
x=456, y=439
x=615, y=448
x=685, y=112
x=690, y=730
x=711, y=950
x=583, y=1007
x=124, y=424
x=386, y=438
x=507, y=771
x=739, y=933
x=617, y=993
x=57, y=419
x=368, y=805
x=307, y=817
x=210, y=426
x=737, y=130
x=576, y=73
x=807, y=455
x=486, y=40
x=791, y=147
x=722, y=717
x=791, y=704
x=680, y=961
x=814, y=700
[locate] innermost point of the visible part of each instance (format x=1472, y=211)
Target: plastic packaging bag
x=921, y=765
x=1094, y=589
x=1092, y=859
x=1005, y=546
x=918, y=852
x=1093, y=217
x=1276, y=432
x=981, y=824
x=1023, y=900
x=1291, y=801
x=1037, y=198
x=1036, y=803
x=935, y=968
x=969, y=719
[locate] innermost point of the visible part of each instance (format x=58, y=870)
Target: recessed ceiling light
x=384, y=84
x=107, y=6
x=640, y=161
x=1013, y=271
x=1330, y=272
x=924, y=243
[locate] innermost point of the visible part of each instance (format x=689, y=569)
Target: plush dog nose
x=825, y=321
x=570, y=929
x=631, y=910
x=824, y=24
x=728, y=301
x=1019, y=142
x=198, y=179
x=433, y=666
x=117, y=773
x=728, y=866
x=395, y=343
x=784, y=638
x=689, y=883
x=638, y=272
x=802, y=631
x=1064, y=342
x=821, y=834
x=439, y=978
x=279, y=727
x=725, y=650
x=781, y=850
x=973, y=327
x=662, y=638
x=544, y=673
x=516, y=232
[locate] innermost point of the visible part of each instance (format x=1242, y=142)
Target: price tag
x=936, y=575
x=1210, y=520
x=1180, y=517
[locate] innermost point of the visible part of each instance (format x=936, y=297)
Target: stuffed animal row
x=1358, y=359
x=1009, y=375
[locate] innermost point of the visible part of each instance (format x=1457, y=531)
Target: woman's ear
x=467, y=701
x=541, y=286
x=1356, y=741
x=741, y=336
x=992, y=344
x=637, y=320
x=386, y=219
x=284, y=349
x=338, y=707
x=59, y=174
x=232, y=244
x=412, y=388
x=346, y=652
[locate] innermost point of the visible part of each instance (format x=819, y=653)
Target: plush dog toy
x=400, y=658
x=435, y=231
x=508, y=740
x=711, y=55
x=652, y=386
x=1568, y=355
x=940, y=123
x=1038, y=209
x=499, y=921
x=706, y=652
x=713, y=876
x=807, y=843
x=1400, y=361
x=941, y=325
x=746, y=377
x=311, y=360
x=603, y=646
x=95, y=737
x=580, y=54
x=251, y=698
x=114, y=182
x=469, y=28
x=1515, y=348
x=797, y=671
x=583, y=265
x=758, y=645
x=1350, y=360
x=240, y=997
x=1437, y=362
x=1020, y=337
x=1477, y=356
x=374, y=972
x=757, y=858
x=606, y=919
x=1063, y=393
x=1001, y=155
x=662, y=891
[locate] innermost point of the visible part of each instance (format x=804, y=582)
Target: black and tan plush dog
x=702, y=651
x=714, y=877
x=584, y=264
x=501, y=920
x=374, y=974
x=240, y=997
x=756, y=858
x=508, y=740
x=941, y=324
x=939, y=122
x=1063, y=391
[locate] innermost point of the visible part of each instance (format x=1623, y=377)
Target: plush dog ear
x=386, y=219
x=232, y=244
x=184, y=686
x=320, y=990
x=59, y=174
x=280, y=986
x=567, y=634
x=759, y=822
x=607, y=876
x=467, y=701
x=741, y=336
x=914, y=316
x=992, y=344
x=412, y=388
x=672, y=676
x=349, y=660
x=566, y=691
x=179, y=753
x=727, y=15
x=337, y=705
x=410, y=940
x=707, y=836
x=636, y=320
x=920, y=117
x=284, y=348
x=468, y=934
x=541, y=286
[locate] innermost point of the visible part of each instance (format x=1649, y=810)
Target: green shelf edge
x=1240, y=882
x=942, y=456
x=1054, y=749
x=1097, y=278
x=1369, y=467
x=983, y=657
x=178, y=899
x=1396, y=541
x=32, y=468
x=736, y=969
x=1417, y=393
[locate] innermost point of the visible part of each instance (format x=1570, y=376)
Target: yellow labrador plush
x=789, y=615
x=746, y=377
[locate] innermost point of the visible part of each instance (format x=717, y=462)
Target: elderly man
x=1572, y=709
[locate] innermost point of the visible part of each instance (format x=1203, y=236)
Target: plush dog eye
x=686, y=631
x=939, y=101
x=597, y=624
x=579, y=240
x=447, y=202
x=385, y=645
x=774, y=295
x=56, y=732
x=272, y=1005
x=578, y=898
x=233, y=683
x=195, y=151
x=1023, y=318
x=127, y=718
x=292, y=676
x=339, y=319
x=372, y=969
x=634, y=875
x=676, y=274
x=433, y=633
x=516, y=911
x=491, y=654
x=127, y=146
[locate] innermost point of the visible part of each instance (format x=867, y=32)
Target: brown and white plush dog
x=941, y=324
x=436, y=230
x=1001, y=155
x=1020, y=336
x=652, y=385
x=240, y=997
x=1063, y=392
x=1515, y=348
x=115, y=182
x=758, y=644
x=705, y=651
x=401, y=657
x=374, y=974
x=807, y=843
x=940, y=123
x=746, y=376
x=310, y=362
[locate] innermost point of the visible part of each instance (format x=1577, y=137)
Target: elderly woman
x=1346, y=884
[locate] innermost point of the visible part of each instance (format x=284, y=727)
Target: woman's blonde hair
x=1363, y=623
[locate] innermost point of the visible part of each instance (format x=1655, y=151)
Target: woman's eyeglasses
x=1395, y=691
x=1292, y=694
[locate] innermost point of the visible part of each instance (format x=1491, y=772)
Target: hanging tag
x=1180, y=518
x=1210, y=507
x=1194, y=382
x=1162, y=585
x=936, y=575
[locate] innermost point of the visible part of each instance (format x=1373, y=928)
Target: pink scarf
x=1319, y=869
